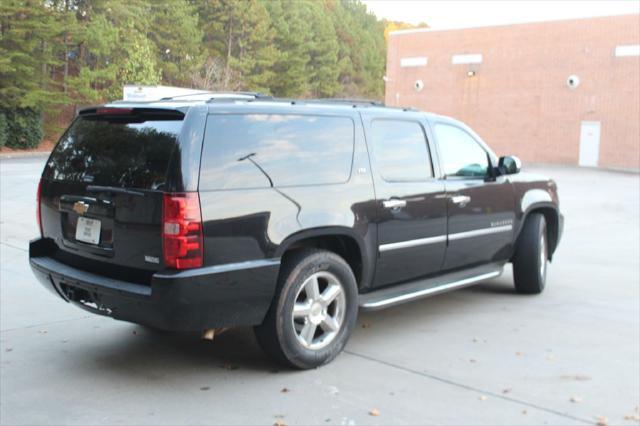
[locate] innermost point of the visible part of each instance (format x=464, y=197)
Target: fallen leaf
x=205, y=388
x=576, y=399
x=507, y=390
x=284, y=390
x=279, y=423
x=519, y=354
x=632, y=417
x=482, y=398
x=375, y=412
x=602, y=421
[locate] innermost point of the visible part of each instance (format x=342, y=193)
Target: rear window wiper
x=113, y=190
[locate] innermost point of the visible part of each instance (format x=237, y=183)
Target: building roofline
x=432, y=30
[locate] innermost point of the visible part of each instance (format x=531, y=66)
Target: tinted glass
x=400, y=150
x=115, y=152
x=255, y=150
x=460, y=153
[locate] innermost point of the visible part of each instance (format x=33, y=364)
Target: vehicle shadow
x=137, y=351
x=153, y=354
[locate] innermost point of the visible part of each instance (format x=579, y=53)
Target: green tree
x=31, y=42
x=177, y=38
x=114, y=50
x=240, y=32
x=323, y=50
x=292, y=34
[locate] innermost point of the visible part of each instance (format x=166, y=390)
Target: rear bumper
x=219, y=296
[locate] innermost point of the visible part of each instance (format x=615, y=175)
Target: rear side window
x=400, y=150
x=132, y=152
x=261, y=150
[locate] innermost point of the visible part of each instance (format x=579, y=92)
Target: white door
x=589, y=143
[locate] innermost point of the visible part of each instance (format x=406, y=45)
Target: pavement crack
x=44, y=324
x=470, y=388
x=14, y=247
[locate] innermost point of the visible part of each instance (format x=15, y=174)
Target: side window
x=261, y=150
x=400, y=150
x=461, y=155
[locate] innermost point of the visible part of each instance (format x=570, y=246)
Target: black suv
x=289, y=216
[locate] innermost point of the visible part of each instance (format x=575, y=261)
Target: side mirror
x=509, y=165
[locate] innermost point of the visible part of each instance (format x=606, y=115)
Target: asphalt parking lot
x=482, y=355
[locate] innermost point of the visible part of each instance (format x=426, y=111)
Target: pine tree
x=114, y=50
x=323, y=52
x=241, y=33
x=30, y=48
x=292, y=36
x=174, y=31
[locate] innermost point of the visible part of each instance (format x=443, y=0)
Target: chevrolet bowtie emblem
x=80, y=207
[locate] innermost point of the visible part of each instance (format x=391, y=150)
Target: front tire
x=314, y=310
x=531, y=257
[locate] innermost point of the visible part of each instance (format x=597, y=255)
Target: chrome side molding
x=412, y=243
x=478, y=232
x=442, y=238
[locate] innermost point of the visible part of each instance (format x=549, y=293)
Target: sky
x=442, y=15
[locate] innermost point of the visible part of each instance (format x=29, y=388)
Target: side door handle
x=394, y=204
x=462, y=200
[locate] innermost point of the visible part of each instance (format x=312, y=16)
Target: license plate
x=88, y=230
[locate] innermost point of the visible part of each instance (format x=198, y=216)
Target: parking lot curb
x=12, y=155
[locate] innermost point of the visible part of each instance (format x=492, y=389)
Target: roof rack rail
x=225, y=96
x=354, y=102
x=220, y=94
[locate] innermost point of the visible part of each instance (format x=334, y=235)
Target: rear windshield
x=132, y=152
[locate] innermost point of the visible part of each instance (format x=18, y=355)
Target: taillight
x=38, y=214
x=182, y=230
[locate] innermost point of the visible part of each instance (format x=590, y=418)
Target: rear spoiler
x=121, y=112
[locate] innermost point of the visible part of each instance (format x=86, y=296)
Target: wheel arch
x=343, y=241
x=552, y=219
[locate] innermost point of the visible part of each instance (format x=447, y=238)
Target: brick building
x=549, y=92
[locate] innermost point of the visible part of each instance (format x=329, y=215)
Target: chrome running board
x=397, y=294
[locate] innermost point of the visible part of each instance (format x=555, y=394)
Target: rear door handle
x=394, y=204
x=460, y=199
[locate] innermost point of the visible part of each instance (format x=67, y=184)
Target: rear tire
x=314, y=310
x=531, y=256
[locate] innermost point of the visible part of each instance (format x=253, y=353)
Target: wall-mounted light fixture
x=471, y=73
x=573, y=81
